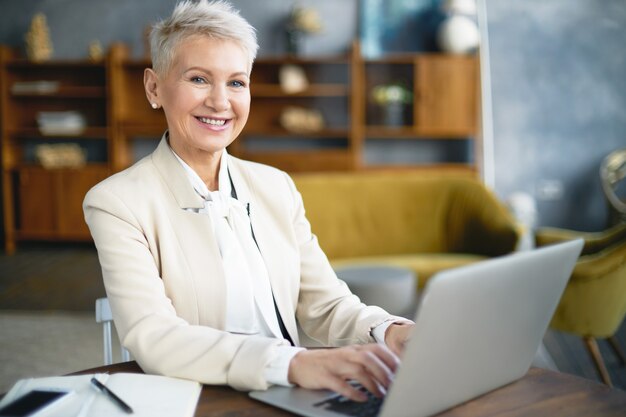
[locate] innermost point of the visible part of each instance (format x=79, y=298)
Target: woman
x=208, y=261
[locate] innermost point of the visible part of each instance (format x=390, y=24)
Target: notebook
x=148, y=395
x=477, y=328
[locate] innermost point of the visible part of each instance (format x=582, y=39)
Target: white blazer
x=163, y=273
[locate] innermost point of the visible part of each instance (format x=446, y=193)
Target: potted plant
x=301, y=20
x=392, y=98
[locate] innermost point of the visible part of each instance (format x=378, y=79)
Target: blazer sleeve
x=327, y=311
x=148, y=325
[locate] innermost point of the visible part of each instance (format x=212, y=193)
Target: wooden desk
x=539, y=393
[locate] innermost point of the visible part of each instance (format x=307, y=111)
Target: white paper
x=148, y=395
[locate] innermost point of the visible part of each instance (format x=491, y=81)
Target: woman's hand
x=397, y=336
x=372, y=365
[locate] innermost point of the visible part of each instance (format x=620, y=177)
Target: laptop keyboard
x=342, y=405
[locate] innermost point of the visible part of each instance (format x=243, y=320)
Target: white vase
x=458, y=34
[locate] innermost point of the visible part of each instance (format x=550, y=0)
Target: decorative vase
x=38, y=43
x=393, y=114
x=458, y=33
x=294, y=41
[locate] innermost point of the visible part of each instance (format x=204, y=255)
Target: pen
x=111, y=395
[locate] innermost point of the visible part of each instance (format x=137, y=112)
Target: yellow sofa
x=425, y=222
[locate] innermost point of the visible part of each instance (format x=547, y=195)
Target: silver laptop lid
x=478, y=327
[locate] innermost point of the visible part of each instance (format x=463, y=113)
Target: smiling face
x=205, y=96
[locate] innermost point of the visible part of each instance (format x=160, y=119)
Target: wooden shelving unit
x=41, y=204
x=444, y=107
x=329, y=92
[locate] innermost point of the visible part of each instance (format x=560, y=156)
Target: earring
x=155, y=106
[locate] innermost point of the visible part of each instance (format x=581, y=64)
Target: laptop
x=477, y=328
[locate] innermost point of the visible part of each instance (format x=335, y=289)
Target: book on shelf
x=61, y=122
x=147, y=395
x=35, y=87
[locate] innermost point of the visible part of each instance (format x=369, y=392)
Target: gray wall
x=558, y=79
x=75, y=23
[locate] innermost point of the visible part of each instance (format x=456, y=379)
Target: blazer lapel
x=174, y=175
x=196, y=240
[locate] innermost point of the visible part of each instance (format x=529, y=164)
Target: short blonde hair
x=215, y=19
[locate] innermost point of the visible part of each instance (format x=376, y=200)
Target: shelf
x=132, y=130
x=312, y=60
x=392, y=59
x=282, y=133
x=438, y=168
x=8, y=168
x=306, y=160
x=88, y=165
x=314, y=90
x=34, y=133
x=407, y=132
x=137, y=64
x=411, y=57
x=384, y=132
x=51, y=236
x=26, y=64
x=64, y=92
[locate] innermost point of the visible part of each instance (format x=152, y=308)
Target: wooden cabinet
x=36, y=202
x=443, y=110
x=446, y=95
x=50, y=201
x=40, y=203
x=121, y=127
x=70, y=189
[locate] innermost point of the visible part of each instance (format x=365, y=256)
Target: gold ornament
x=305, y=19
x=38, y=44
x=292, y=79
x=95, y=51
x=301, y=120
